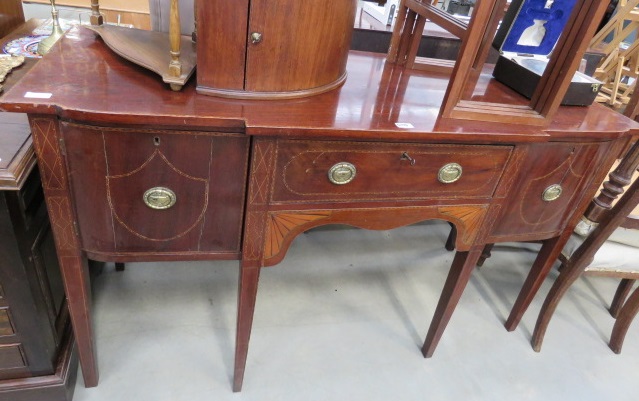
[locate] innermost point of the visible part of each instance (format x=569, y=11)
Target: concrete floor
x=343, y=318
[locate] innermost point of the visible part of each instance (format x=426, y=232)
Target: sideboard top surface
x=88, y=82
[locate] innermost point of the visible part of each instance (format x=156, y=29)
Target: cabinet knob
x=342, y=173
x=159, y=198
x=450, y=173
x=256, y=38
x=552, y=193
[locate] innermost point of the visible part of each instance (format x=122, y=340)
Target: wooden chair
x=611, y=249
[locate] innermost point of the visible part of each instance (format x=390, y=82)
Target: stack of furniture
x=38, y=360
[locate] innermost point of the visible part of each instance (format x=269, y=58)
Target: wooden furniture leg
x=566, y=278
x=452, y=238
x=458, y=277
x=73, y=263
x=96, y=17
x=626, y=315
x=247, y=294
x=485, y=254
x=620, y=296
x=550, y=251
x=175, y=66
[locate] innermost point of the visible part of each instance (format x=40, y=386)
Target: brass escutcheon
x=342, y=173
x=552, y=193
x=449, y=173
x=159, y=198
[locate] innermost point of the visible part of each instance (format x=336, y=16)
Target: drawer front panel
x=11, y=357
x=385, y=171
x=6, y=327
x=546, y=168
x=161, y=191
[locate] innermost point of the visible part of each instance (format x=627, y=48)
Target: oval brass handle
x=552, y=193
x=449, y=173
x=256, y=38
x=342, y=173
x=159, y=198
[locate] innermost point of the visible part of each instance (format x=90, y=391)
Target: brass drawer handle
x=552, y=193
x=449, y=173
x=342, y=173
x=159, y=198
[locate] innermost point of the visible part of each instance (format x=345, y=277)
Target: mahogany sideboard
x=135, y=172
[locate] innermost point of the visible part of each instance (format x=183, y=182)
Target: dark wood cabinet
x=37, y=357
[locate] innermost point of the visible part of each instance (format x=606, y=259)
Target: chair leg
x=620, y=296
x=485, y=254
x=626, y=315
x=119, y=267
x=247, y=294
x=543, y=263
x=458, y=277
x=452, y=238
x=566, y=278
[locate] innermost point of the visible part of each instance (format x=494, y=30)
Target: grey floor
x=343, y=318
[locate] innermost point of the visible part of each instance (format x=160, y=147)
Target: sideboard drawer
x=351, y=171
x=138, y=191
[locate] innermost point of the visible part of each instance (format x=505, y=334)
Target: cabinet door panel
x=221, y=45
x=565, y=165
x=115, y=171
x=303, y=45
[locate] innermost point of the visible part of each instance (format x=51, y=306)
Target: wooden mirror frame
x=476, y=42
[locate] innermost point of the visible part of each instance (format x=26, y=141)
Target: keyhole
x=156, y=141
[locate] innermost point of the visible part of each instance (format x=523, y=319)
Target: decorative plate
x=26, y=46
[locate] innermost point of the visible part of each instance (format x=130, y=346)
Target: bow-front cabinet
x=133, y=171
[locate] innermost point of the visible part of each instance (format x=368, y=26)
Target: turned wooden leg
x=626, y=315
x=620, y=296
x=96, y=17
x=547, y=256
x=195, y=18
x=175, y=66
x=485, y=254
x=452, y=238
x=119, y=267
x=247, y=293
x=458, y=277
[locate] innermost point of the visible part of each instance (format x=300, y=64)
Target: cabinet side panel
x=221, y=45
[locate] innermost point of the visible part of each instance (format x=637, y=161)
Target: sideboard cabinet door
x=162, y=191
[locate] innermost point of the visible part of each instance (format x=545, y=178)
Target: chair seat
x=620, y=253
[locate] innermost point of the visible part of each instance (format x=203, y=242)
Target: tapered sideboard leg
x=247, y=293
x=547, y=256
x=460, y=271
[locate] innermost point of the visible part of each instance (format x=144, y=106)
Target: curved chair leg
x=119, y=267
x=620, y=296
x=626, y=315
x=567, y=277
